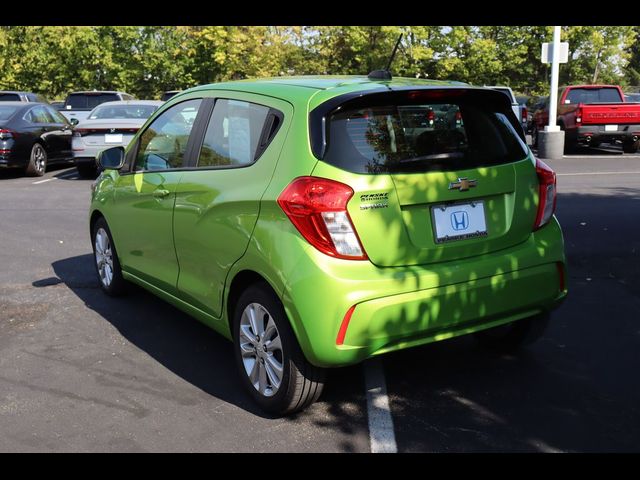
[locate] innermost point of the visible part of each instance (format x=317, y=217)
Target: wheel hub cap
x=104, y=257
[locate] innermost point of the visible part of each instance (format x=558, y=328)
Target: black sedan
x=32, y=136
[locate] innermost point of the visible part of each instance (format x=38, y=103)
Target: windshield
x=435, y=136
x=77, y=101
x=593, y=95
x=9, y=97
x=6, y=112
x=123, y=111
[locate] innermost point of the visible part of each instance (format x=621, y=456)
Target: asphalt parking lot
x=83, y=372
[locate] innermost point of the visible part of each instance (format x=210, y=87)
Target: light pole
x=551, y=140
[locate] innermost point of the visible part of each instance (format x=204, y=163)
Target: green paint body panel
x=217, y=224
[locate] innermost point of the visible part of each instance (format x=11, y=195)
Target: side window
x=236, y=134
x=56, y=116
x=164, y=143
x=38, y=115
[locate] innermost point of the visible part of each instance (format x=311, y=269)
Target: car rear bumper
x=589, y=134
x=8, y=160
x=396, y=308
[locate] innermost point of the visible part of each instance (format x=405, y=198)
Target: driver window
x=164, y=142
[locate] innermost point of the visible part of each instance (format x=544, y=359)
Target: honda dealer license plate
x=113, y=138
x=459, y=221
x=611, y=128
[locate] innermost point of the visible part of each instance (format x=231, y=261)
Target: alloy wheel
x=261, y=349
x=104, y=257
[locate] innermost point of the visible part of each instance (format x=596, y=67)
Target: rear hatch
x=430, y=188
x=107, y=132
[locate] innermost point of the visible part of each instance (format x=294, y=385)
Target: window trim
x=262, y=146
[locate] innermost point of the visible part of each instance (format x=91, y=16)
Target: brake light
x=525, y=114
x=79, y=132
x=7, y=134
x=579, y=115
x=317, y=207
x=547, y=194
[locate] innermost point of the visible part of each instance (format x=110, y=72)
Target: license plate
x=113, y=138
x=459, y=221
x=611, y=128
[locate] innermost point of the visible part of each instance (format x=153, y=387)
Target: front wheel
x=37, y=161
x=512, y=336
x=106, y=260
x=273, y=368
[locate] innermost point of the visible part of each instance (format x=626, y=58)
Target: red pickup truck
x=593, y=114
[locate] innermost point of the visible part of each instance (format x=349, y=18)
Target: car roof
x=316, y=89
x=96, y=92
x=14, y=91
x=156, y=103
x=23, y=104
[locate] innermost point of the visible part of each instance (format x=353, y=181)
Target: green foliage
x=146, y=60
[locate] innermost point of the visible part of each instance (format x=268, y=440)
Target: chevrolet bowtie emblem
x=463, y=184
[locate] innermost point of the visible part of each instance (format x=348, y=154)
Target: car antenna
x=385, y=74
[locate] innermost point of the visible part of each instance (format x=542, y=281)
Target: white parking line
x=596, y=173
x=381, y=434
x=42, y=181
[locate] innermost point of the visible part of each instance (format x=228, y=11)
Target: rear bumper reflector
x=345, y=324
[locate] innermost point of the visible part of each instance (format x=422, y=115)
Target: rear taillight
x=579, y=115
x=431, y=116
x=317, y=207
x=458, y=117
x=7, y=134
x=547, y=194
x=524, y=114
x=79, y=132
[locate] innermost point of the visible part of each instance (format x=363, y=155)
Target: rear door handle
x=161, y=193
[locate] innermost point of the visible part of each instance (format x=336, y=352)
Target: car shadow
x=190, y=349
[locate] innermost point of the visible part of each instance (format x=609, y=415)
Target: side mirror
x=111, y=158
x=74, y=121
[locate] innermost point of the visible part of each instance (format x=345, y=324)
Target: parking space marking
x=381, y=433
x=42, y=181
x=637, y=172
x=68, y=174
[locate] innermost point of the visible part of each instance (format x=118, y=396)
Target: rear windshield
x=123, y=111
x=9, y=97
x=443, y=136
x=593, y=95
x=78, y=101
x=6, y=112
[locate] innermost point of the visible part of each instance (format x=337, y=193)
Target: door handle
x=161, y=193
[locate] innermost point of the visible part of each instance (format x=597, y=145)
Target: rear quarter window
x=443, y=135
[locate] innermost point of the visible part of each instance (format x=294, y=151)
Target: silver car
x=108, y=125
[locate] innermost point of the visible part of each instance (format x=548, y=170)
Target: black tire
x=512, y=336
x=37, y=161
x=569, y=146
x=86, y=170
x=301, y=383
x=117, y=285
x=630, y=147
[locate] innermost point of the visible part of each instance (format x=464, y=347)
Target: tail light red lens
x=525, y=114
x=547, y=194
x=79, y=132
x=579, y=115
x=7, y=134
x=317, y=207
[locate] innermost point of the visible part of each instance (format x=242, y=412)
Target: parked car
x=520, y=111
x=298, y=219
x=57, y=104
x=13, y=96
x=32, y=136
x=77, y=105
x=109, y=124
x=594, y=114
x=632, y=97
x=169, y=94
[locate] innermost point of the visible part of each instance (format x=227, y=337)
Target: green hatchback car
x=318, y=221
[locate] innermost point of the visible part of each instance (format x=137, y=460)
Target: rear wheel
x=37, y=161
x=630, y=147
x=273, y=368
x=512, y=336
